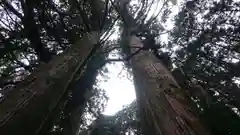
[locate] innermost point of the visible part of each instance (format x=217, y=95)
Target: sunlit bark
x=164, y=108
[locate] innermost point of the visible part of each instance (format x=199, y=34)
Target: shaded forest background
x=202, y=53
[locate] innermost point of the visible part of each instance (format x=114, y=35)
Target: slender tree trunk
x=164, y=108
x=26, y=107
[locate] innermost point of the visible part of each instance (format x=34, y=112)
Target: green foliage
x=124, y=121
x=204, y=49
x=31, y=33
x=204, y=45
x=205, y=37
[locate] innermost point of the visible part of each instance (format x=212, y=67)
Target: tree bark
x=27, y=106
x=164, y=108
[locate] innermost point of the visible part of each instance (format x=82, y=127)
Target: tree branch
x=12, y=9
x=127, y=58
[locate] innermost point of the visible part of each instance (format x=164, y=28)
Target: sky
x=119, y=87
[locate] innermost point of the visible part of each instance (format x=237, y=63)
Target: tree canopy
x=202, y=52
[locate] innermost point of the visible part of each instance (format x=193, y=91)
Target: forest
x=183, y=57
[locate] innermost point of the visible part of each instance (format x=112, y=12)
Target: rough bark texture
x=165, y=110
x=27, y=106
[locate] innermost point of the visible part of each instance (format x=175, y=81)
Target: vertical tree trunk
x=28, y=105
x=164, y=109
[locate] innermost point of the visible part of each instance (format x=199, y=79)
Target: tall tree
x=163, y=105
x=53, y=90
x=32, y=101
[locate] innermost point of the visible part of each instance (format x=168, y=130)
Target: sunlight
x=119, y=88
